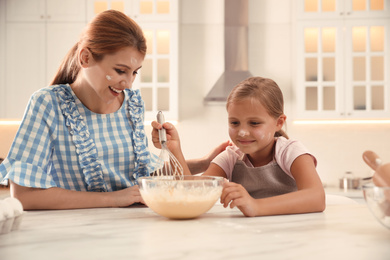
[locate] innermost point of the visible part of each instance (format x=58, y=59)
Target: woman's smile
x=116, y=92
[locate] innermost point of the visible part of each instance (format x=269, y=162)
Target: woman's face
x=106, y=79
x=251, y=128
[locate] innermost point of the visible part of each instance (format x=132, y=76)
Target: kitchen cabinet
x=158, y=78
x=46, y=10
x=140, y=10
x=342, y=59
x=38, y=35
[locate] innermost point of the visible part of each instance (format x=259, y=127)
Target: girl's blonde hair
x=107, y=33
x=264, y=90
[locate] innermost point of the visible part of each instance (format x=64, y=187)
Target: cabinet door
x=158, y=79
x=139, y=10
x=42, y=10
x=25, y=10
x=320, y=70
x=342, y=9
x=97, y=6
x=66, y=10
x=367, y=8
x=60, y=39
x=367, y=67
x=25, y=65
x=155, y=10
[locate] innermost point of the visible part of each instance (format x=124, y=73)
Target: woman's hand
x=58, y=198
x=217, y=150
x=237, y=196
x=127, y=197
x=201, y=165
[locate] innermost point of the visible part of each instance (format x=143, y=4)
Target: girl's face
x=106, y=79
x=252, y=129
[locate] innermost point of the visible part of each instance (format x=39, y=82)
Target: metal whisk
x=171, y=166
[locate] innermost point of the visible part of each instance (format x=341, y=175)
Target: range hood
x=236, y=51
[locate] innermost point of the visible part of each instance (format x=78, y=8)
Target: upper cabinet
x=45, y=10
x=38, y=34
x=158, y=77
x=340, y=9
x=140, y=10
x=343, y=59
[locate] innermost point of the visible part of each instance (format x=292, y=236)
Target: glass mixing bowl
x=180, y=197
x=378, y=201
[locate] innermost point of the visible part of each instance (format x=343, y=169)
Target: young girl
x=268, y=173
x=81, y=143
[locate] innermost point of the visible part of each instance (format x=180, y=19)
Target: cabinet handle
x=48, y=17
x=42, y=17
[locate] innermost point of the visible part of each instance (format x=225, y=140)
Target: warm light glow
x=311, y=38
x=340, y=122
x=10, y=122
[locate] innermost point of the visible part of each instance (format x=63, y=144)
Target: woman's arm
x=58, y=198
x=202, y=164
x=310, y=196
x=192, y=166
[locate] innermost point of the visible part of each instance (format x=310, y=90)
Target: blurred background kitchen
x=331, y=58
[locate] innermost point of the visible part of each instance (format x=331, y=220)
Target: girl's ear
x=281, y=120
x=85, y=58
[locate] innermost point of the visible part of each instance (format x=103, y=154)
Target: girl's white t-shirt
x=286, y=151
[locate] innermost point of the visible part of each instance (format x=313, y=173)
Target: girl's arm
x=310, y=196
x=58, y=198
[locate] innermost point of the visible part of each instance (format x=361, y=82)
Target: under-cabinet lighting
x=10, y=122
x=340, y=122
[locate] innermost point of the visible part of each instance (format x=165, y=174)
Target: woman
x=81, y=143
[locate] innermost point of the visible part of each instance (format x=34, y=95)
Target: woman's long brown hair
x=107, y=33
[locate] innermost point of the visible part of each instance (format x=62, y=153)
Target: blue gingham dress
x=61, y=143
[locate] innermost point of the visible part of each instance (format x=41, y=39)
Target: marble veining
x=343, y=231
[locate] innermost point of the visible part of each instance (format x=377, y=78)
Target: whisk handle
x=161, y=133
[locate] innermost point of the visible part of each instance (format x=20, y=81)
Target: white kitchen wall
x=338, y=148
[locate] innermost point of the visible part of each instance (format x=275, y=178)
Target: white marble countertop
x=343, y=231
x=351, y=193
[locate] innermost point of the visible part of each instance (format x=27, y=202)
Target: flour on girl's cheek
x=262, y=135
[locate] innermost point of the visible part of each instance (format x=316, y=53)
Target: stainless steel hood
x=236, y=51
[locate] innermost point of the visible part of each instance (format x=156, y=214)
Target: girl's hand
x=237, y=196
x=173, y=140
x=127, y=197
